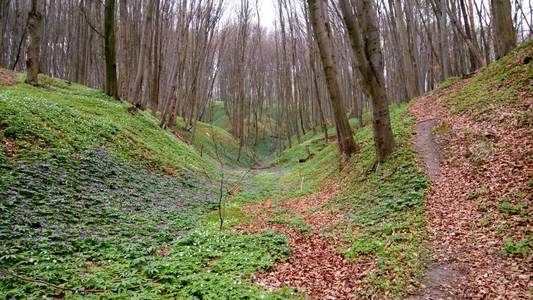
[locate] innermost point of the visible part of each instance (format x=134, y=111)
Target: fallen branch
x=57, y=287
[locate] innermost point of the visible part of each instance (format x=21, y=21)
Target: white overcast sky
x=267, y=10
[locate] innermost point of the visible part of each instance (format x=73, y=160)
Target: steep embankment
x=98, y=202
x=479, y=208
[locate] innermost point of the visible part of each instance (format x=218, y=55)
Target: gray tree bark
x=502, y=26
x=35, y=23
x=320, y=25
x=364, y=36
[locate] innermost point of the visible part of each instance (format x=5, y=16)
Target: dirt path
x=482, y=165
x=443, y=276
x=427, y=147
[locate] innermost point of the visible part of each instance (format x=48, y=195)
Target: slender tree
x=35, y=23
x=366, y=47
x=321, y=27
x=111, y=87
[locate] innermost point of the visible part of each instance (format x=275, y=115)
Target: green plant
x=512, y=209
x=514, y=247
x=443, y=128
x=478, y=192
x=385, y=208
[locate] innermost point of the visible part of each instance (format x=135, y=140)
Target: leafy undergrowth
x=379, y=218
x=227, y=145
x=89, y=209
x=66, y=116
x=385, y=211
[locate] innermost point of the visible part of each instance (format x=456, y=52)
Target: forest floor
x=7, y=77
x=315, y=267
x=101, y=203
x=477, y=209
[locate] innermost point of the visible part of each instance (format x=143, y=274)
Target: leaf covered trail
x=486, y=164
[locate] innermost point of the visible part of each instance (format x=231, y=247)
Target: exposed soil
x=484, y=163
x=441, y=279
x=427, y=147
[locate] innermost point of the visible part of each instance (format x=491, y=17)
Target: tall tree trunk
x=409, y=71
x=502, y=26
x=367, y=48
x=35, y=22
x=443, y=39
x=471, y=36
x=123, y=69
x=144, y=53
x=109, y=50
x=321, y=27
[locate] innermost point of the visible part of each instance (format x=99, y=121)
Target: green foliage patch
x=519, y=247
x=385, y=209
x=92, y=221
x=76, y=118
x=495, y=85
x=85, y=206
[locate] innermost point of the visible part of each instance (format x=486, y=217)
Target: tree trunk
x=411, y=80
x=367, y=48
x=109, y=50
x=443, y=39
x=502, y=26
x=35, y=22
x=140, y=77
x=320, y=24
x=123, y=69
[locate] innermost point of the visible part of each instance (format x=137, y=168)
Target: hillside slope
x=99, y=202
x=479, y=208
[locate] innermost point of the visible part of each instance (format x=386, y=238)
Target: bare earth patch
x=7, y=77
x=485, y=164
x=427, y=147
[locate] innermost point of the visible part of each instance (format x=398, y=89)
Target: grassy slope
x=75, y=118
x=226, y=144
x=499, y=84
x=219, y=117
x=384, y=210
x=85, y=205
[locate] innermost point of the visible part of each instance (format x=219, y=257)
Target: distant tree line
x=323, y=62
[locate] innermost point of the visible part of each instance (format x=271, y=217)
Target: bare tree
x=322, y=30
x=366, y=46
x=502, y=26
x=111, y=87
x=35, y=22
